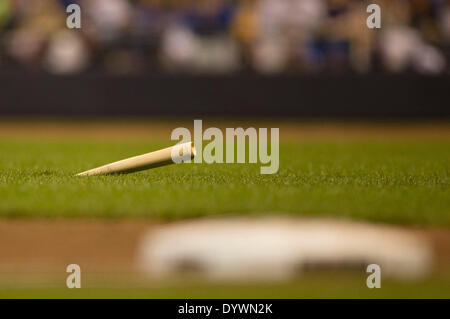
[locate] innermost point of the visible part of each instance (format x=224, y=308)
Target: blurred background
x=225, y=57
x=225, y=36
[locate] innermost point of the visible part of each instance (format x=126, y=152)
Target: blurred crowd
x=225, y=36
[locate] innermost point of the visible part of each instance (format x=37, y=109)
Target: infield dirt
x=161, y=129
x=107, y=245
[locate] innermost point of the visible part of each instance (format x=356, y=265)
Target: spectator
x=223, y=36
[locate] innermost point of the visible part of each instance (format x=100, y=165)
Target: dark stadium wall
x=349, y=96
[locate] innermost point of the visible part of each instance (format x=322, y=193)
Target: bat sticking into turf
x=166, y=156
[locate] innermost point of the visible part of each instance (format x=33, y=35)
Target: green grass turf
x=310, y=286
x=391, y=181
